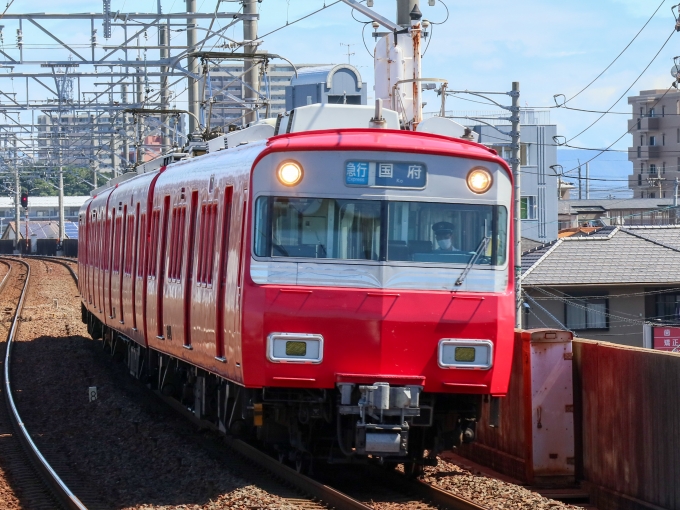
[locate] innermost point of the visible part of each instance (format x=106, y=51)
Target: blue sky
x=549, y=47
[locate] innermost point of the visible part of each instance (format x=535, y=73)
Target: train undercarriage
x=375, y=422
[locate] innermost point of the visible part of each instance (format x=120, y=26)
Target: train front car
x=378, y=305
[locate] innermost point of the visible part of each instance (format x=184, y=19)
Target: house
x=631, y=211
x=616, y=284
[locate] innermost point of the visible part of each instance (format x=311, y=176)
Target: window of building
x=642, y=139
x=642, y=111
x=528, y=208
x=668, y=308
x=663, y=167
x=640, y=127
x=642, y=168
x=639, y=152
x=587, y=313
x=652, y=194
x=663, y=139
x=652, y=169
x=651, y=112
x=642, y=194
x=663, y=111
x=652, y=141
x=639, y=179
x=505, y=152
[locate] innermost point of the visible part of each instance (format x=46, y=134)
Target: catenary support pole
x=17, y=199
x=61, y=196
x=675, y=193
x=587, y=181
x=163, y=35
x=515, y=162
x=192, y=84
x=251, y=78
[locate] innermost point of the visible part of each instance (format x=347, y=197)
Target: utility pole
x=587, y=181
x=251, y=78
x=515, y=162
x=580, y=195
x=404, y=8
x=193, y=67
x=675, y=193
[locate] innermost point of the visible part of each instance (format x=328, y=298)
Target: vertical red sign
x=667, y=339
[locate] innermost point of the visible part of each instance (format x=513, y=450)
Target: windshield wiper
x=480, y=249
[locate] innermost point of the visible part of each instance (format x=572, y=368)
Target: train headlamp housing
x=479, y=180
x=289, y=173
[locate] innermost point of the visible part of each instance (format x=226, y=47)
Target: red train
x=337, y=293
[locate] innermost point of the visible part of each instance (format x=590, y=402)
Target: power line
x=628, y=89
x=617, y=57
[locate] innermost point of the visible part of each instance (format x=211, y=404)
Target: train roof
x=366, y=139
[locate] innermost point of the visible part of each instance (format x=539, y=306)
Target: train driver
x=443, y=233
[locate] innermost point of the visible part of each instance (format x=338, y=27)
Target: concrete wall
x=626, y=313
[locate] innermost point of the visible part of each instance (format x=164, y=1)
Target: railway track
x=39, y=486
x=299, y=491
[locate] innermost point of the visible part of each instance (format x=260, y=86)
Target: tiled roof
x=612, y=204
x=640, y=255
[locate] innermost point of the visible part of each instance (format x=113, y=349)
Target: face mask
x=444, y=244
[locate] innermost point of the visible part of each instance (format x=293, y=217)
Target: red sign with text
x=667, y=339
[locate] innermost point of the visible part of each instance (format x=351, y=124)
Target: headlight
x=290, y=173
x=479, y=180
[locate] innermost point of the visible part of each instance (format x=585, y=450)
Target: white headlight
x=290, y=173
x=479, y=180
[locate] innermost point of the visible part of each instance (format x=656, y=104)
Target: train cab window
x=318, y=228
x=380, y=230
x=448, y=233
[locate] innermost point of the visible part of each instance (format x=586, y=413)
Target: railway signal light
x=24, y=200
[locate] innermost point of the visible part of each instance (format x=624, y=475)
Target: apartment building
x=655, y=153
x=228, y=91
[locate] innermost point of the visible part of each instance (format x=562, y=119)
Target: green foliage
x=41, y=182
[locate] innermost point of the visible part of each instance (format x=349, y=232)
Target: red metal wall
x=630, y=424
x=627, y=426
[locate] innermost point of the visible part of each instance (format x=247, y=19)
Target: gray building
x=339, y=84
x=655, y=153
x=227, y=91
x=632, y=211
x=537, y=154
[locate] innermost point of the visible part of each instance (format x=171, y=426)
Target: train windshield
x=380, y=230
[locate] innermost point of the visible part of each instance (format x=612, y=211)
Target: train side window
x=152, y=256
x=128, y=244
x=207, y=244
x=179, y=215
x=141, y=245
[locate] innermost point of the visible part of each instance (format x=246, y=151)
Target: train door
x=122, y=236
x=222, y=275
x=134, y=272
x=110, y=247
x=161, y=267
x=242, y=249
x=189, y=279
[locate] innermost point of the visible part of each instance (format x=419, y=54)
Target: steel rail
x=49, y=476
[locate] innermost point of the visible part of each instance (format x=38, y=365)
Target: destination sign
x=385, y=174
